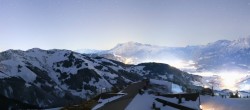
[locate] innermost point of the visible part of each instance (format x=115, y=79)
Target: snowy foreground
x=145, y=101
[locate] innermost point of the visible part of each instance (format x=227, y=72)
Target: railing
x=181, y=107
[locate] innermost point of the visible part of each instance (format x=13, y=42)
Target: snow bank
x=144, y=102
x=103, y=102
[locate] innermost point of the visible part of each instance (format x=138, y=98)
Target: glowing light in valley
x=175, y=62
x=217, y=79
x=183, y=64
x=128, y=61
x=204, y=73
x=227, y=80
x=206, y=86
x=231, y=79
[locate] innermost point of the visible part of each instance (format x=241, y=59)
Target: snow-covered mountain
x=213, y=56
x=135, y=53
x=220, y=58
x=50, y=78
x=225, y=54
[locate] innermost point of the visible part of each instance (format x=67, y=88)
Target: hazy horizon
x=79, y=49
x=102, y=24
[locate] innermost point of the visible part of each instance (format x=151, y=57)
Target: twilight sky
x=101, y=24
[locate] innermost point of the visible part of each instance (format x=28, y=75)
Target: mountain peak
x=131, y=44
x=221, y=43
x=35, y=49
x=244, y=39
x=243, y=42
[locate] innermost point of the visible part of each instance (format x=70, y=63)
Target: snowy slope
x=88, y=51
x=52, y=78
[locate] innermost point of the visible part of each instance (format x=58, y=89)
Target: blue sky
x=101, y=24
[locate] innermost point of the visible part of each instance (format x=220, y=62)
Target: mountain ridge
x=52, y=78
x=204, y=56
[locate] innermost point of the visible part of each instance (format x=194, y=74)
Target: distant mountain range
x=52, y=78
x=222, y=54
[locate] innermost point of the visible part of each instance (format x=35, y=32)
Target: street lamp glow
x=200, y=107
